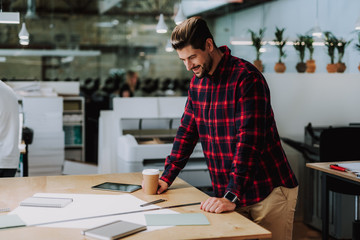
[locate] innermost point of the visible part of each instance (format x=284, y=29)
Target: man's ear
x=209, y=45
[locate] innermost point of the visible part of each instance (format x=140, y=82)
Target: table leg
x=26, y=162
x=357, y=208
x=356, y=223
x=324, y=207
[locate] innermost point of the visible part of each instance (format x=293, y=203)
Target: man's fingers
x=217, y=205
x=163, y=186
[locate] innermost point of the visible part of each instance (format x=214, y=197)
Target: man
x=228, y=109
x=9, y=131
x=131, y=82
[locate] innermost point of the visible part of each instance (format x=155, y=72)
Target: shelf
x=72, y=123
x=73, y=112
x=74, y=128
x=74, y=146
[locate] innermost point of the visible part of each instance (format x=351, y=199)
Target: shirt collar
x=221, y=65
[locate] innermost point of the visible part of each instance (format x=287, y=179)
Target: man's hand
x=163, y=186
x=217, y=205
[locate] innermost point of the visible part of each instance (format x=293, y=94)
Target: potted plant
x=310, y=64
x=280, y=43
x=257, y=43
x=300, y=47
x=357, y=46
x=341, y=45
x=331, y=43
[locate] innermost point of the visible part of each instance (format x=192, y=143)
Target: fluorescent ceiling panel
x=10, y=17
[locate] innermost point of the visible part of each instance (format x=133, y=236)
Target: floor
x=304, y=232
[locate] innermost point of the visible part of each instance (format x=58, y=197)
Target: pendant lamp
x=357, y=24
x=168, y=47
x=161, y=26
x=23, y=34
x=180, y=17
x=316, y=31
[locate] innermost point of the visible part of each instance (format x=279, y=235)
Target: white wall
x=322, y=99
x=298, y=17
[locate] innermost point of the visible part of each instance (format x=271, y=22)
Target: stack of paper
x=353, y=167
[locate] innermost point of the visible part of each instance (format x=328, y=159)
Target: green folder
x=176, y=219
x=11, y=220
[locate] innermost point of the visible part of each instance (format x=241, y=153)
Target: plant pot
x=331, y=68
x=341, y=67
x=258, y=64
x=301, y=67
x=280, y=67
x=310, y=66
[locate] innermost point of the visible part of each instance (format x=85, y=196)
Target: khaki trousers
x=275, y=212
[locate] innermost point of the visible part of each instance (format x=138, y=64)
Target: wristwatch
x=231, y=197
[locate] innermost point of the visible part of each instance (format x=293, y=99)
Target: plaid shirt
x=230, y=113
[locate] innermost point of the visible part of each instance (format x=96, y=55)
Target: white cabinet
x=74, y=128
x=44, y=116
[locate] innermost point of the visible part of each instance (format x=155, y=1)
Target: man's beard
x=206, y=67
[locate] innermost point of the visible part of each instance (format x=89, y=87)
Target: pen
x=336, y=167
x=153, y=202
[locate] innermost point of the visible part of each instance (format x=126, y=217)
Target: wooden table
x=346, y=179
x=222, y=226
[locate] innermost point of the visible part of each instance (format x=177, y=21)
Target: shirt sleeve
x=183, y=146
x=251, y=115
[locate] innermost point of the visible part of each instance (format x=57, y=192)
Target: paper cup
x=151, y=181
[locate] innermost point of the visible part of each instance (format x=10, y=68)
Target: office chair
x=340, y=144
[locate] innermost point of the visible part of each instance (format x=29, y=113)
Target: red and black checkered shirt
x=230, y=113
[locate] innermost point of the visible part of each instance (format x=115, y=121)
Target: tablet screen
x=122, y=187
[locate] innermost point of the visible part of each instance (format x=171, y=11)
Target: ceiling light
x=161, y=26
x=31, y=8
x=180, y=17
x=67, y=59
x=168, y=47
x=357, y=24
x=316, y=31
x=23, y=34
x=240, y=41
x=10, y=17
x=109, y=24
x=24, y=42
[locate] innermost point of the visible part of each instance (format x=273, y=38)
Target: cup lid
x=151, y=171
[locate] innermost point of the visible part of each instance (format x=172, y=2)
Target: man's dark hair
x=194, y=31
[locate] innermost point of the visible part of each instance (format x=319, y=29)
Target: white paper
x=353, y=167
x=88, y=205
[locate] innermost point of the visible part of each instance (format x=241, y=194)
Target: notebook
x=11, y=220
x=46, y=202
x=114, y=230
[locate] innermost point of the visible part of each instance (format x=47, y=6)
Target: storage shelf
x=72, y=111
x=75, y=146
x=73, y=123
x=74, y=128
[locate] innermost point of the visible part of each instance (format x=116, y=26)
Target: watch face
x=230, y=196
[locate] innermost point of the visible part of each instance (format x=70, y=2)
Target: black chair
x=27, y=137
x=339, y=144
